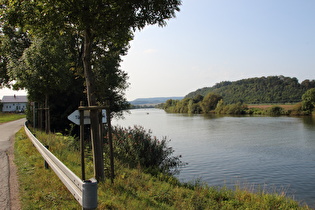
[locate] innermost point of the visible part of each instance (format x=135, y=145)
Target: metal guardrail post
x=89, y=190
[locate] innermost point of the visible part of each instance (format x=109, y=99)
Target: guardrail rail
x=85, y=192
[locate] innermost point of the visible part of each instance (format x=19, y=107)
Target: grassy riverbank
x=40, y=188
x=7, y=117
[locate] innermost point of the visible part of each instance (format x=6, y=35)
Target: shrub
x=237, y=108
x=136, y=147
x=275, y=110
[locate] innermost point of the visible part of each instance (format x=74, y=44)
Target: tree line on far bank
x=271, y=89
x=303, y=95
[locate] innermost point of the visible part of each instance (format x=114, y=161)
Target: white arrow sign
x=75, y=117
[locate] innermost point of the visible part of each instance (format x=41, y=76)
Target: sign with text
x=75, y=117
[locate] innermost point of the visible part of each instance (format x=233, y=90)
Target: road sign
x=75, y=117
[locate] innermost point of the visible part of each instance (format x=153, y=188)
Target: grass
x=7, y=117
x=40, y=188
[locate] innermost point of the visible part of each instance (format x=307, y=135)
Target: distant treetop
x=271, y=89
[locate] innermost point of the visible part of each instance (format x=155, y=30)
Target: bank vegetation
x=242, y=97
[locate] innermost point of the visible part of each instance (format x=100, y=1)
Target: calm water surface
x=271, y=153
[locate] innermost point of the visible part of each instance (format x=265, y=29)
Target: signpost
x=75, y=117
x=81, y=117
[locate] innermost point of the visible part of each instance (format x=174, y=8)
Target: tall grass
x=39, y=188
x=133, y=189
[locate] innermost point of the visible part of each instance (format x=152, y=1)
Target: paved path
x=7, y=130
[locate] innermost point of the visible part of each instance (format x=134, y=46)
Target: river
x=274, y=154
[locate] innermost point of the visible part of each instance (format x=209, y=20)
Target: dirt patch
x=284, y=106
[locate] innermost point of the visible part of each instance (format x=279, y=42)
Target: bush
x=276, y=110
x=237, y=108
x=136, y=147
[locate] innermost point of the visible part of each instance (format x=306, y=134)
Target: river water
x=274, y=154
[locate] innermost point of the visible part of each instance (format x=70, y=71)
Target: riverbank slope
x=132, y=189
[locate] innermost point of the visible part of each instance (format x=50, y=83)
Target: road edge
x=13, y=178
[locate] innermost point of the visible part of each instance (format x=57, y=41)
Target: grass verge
x=7, y=117
x=40, y=188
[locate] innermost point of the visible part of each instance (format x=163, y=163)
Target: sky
x=211, y=41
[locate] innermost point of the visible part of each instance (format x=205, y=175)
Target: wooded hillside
x=271, y=89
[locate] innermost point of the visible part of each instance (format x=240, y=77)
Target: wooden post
x=110, y=140
x=97, y=148
x=40, y=118
x=82, y=141
x=101, y=132
x=34, y=114
x=47, y=126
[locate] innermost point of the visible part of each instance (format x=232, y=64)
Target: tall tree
x=13, y=42
x=100, y=23
x=210, y=102
x=308, y=100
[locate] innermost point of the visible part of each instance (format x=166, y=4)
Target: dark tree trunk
x=89, y=79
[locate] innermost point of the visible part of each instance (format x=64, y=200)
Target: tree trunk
x=89, y=79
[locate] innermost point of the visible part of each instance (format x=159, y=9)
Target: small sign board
x=75, y=117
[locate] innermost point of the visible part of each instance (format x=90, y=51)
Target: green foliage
x=52, y=39
x=308, y=100
x=197, y=105
x=236, y=109
x=194, y=108
x=230, y=97
x=272, y=89
x=170, y=105
x=136, y=147
x=209, y=102
x=298, y=110
x=13, y=42
x=275, y=110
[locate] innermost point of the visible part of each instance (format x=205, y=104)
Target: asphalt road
x=7, y=130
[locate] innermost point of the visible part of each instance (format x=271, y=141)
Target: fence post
x=46, y=164
x=82, y=141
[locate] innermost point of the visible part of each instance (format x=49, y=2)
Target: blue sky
x=211, y=41
x=222, y=40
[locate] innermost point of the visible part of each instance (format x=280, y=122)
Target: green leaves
x=308, y=100
x=272, y=89
x=137, y=147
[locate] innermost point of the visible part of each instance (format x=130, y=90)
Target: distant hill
x=271, y=89
x=152, y=101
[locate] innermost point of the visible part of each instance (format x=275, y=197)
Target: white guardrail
x=85, y=192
